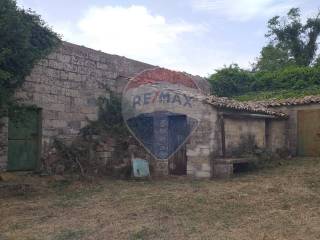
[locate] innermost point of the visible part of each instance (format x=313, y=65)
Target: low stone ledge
x=222, y=170
x=233, y=160
x=223, y=167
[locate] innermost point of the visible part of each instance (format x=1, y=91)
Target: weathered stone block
x=63, y=58
x=73, y=76
x=205, y=167
x=55, y=64
x=70, y=67
x=103, y=66
x=51, y=72
x=92, y=117
x=74, y=124
x=92, y=102
x=77, y=60
x=202, y=174
x=222, y=170
x=57, y=107
x=50, y=114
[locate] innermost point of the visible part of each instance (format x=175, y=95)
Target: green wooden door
x=23, y=149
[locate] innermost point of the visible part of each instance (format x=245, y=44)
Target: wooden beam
x=246, y=115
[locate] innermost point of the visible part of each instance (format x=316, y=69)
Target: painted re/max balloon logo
x=162, y=109
x=161, y=97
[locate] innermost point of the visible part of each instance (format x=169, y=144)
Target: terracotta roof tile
x=289, y=101
x=253, y=107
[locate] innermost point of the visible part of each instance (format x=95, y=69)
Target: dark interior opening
x=240, y=167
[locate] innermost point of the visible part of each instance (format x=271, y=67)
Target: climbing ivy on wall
x=25, y=39
x=80, y=156
x=109, y=120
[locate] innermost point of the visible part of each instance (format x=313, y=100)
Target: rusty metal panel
x=309, y=133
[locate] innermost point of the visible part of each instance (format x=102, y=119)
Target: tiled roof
x=253, y=107
x=290, y=101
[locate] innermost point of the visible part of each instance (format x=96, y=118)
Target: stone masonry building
x=65, y=87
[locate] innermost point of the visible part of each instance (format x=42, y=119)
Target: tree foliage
x=272, y=58
x=25, y=39
x=288, y=62
x=290, y=41
x=231, y=80
x=287, y=78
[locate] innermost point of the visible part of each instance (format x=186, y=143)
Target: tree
x=272, y=59
x=291, y=41
x=289, y=62
x=25, y=39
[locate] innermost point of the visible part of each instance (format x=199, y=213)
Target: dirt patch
x=14, y=189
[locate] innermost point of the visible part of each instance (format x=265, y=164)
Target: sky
x=195, y=36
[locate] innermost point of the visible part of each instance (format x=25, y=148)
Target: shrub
x=233, y=81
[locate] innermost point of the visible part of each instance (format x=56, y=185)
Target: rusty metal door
x=309, y=133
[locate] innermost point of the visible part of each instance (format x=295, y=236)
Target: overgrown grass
x=69, y=195
x=273, y=203
x=69, y=234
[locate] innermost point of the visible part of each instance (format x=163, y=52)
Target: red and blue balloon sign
x=162, y=109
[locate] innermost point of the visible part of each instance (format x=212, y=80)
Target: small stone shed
x=228, y=127
x=65, y=88
x=303, y=124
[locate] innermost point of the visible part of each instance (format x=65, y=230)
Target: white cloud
x=132, y=32
x=244, y=10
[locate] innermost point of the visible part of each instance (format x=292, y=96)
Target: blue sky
x=196, y=36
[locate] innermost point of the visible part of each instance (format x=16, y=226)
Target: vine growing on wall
x=25, y=39
x=109, y=120
x=80, y=156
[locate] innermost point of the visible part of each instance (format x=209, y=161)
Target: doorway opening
x=178, y=131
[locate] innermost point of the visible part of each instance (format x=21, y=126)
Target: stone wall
x=278, y=135
x=242, y=134
x=292, y=124
x=201, y=148
x=203, y=145
x=3, y=143
x=238, y=129
x=67, y=84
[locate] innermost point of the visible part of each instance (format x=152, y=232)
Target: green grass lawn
x=274, y=203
